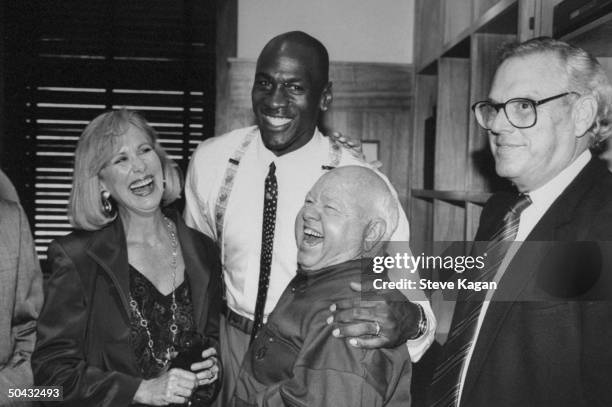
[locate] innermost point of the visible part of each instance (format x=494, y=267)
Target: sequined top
x=155, y=308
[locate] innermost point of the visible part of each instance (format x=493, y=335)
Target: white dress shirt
x=296, y=173
x=541, y=199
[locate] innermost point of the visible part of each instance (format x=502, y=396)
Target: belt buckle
x=235, y=318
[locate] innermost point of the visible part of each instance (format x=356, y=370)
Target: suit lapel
x=108, y=249
x=555, y=225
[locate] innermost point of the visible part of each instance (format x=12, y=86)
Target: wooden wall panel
x=235, y=111
x=451, y=162
x=541, y=11
x=527, y=9
x=420, y=214
x=481, y=6
x=372, y=101
x=379, y=125
x=451, y=165
x=226, y=47
x=399, y=155
x=457, y=18
x=428, y=31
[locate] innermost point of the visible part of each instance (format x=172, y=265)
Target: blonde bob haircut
x=97, y=145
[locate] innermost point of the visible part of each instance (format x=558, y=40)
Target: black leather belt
x=238, y=321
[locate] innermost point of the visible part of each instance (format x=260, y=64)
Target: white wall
x=352, y=30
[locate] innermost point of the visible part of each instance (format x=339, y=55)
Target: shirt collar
x=304, y=153
x=547, y=193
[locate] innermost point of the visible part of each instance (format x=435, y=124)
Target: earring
x=107, y=205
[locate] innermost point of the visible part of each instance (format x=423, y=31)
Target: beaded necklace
x=163, y=361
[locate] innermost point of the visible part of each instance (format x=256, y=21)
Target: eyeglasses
x=520, y=112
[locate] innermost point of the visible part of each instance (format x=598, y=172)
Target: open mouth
x=312, y=237
x=276, y=121
x=143, y=187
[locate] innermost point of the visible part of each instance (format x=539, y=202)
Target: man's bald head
x=368, y=191
x=348, y=214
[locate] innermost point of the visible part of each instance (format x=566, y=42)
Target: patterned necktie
x=445, y=384
x=267, y=241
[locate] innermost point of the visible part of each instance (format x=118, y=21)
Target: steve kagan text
x=426, y=284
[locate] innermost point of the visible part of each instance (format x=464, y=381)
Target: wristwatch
x=422, y=325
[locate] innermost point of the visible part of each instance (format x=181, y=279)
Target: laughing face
x=134, y=175
x=287, y=94
x=330, y=227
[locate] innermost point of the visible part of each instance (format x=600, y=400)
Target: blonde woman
x=133, y=286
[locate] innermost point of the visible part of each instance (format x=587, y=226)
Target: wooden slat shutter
x=72, y=59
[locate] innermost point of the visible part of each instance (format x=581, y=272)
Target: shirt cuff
x=417, y=347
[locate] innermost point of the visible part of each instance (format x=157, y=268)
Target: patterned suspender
x=228, y=184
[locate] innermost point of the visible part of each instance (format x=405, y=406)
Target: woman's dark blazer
x=84, y=327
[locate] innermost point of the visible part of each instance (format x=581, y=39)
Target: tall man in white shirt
x=233, y=178
x=544, y=336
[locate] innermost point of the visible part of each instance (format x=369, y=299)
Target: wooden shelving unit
x=456, y=42
x=452, y=196
x=594, y=36
x=497, y=19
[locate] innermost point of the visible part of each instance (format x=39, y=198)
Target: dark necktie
x=267, y=241
x=445, y=384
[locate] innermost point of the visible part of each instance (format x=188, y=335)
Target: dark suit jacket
x=83, y=331
x=21, y=297
x=546, y=339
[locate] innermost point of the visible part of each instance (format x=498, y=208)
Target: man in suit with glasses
x=542, y=338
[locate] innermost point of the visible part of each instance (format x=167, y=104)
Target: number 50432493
x=36, y=393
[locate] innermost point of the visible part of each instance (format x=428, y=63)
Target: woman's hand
x=174, y=386
x=208, y=369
